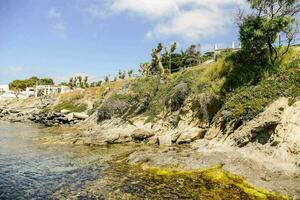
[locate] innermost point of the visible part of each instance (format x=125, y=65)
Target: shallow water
x=31, y=170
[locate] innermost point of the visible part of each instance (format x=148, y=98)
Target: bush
x=72, y=107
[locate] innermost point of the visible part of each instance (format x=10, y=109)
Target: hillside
x=231, y=111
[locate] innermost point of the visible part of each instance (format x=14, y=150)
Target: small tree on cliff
x=260, y=29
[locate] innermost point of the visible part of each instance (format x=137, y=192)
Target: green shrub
x=79, y=107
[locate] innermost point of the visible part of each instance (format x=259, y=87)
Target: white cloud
x=59, y=27
x=190, y=19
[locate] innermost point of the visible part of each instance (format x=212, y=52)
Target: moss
x=211, y=183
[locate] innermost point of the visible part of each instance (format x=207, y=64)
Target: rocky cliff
x=208, y=107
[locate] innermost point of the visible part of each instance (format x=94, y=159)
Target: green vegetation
x=245, y=81
x=73, y=103
x=248, y=92
x=260, y=29
x=244, y=87
x=19, y=85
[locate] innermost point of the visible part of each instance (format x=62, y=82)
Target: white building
x=42, y=90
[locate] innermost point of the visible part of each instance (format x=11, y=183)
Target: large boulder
x=176, y=97
x=190, y=135
x=262, y=127
x=141, y=135
x=112, y=107
x=199, y=110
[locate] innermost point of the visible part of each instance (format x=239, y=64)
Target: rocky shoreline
x=265, y=151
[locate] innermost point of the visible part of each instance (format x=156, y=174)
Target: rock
x=140, y=134
x=287, y=133
x=164, y=140
x=209, y=105
x=65, y=111
x=70, y=116
x=14, y=111
x=199, y=110
x=176, y=97
x=112, y=137
x=262, y=127
x=5, y=112
x=190, y=135
x=81, y=116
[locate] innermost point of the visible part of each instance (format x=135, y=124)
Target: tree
x=79, y=78
x=145, y=69
x=85, y=81
x=19, y=85
x=121, y=74
x=46, y=81
x=130, y=72
x=99, y=83
x=106, y=79
x=156, y=67
x=192, y=56
x=268, y=20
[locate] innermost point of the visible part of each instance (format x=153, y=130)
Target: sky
x=63, y=38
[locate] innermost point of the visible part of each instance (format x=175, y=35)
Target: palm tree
x=80, y=81
x=85, y=80
x=106, y=79
x=75, y=81
x=130, y=72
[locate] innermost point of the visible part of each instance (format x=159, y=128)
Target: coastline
x=257, y=167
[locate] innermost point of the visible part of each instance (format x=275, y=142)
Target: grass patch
x=72, y=102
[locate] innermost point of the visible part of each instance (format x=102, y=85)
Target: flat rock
x=81, y=116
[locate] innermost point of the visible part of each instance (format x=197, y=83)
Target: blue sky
x=61, y=38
